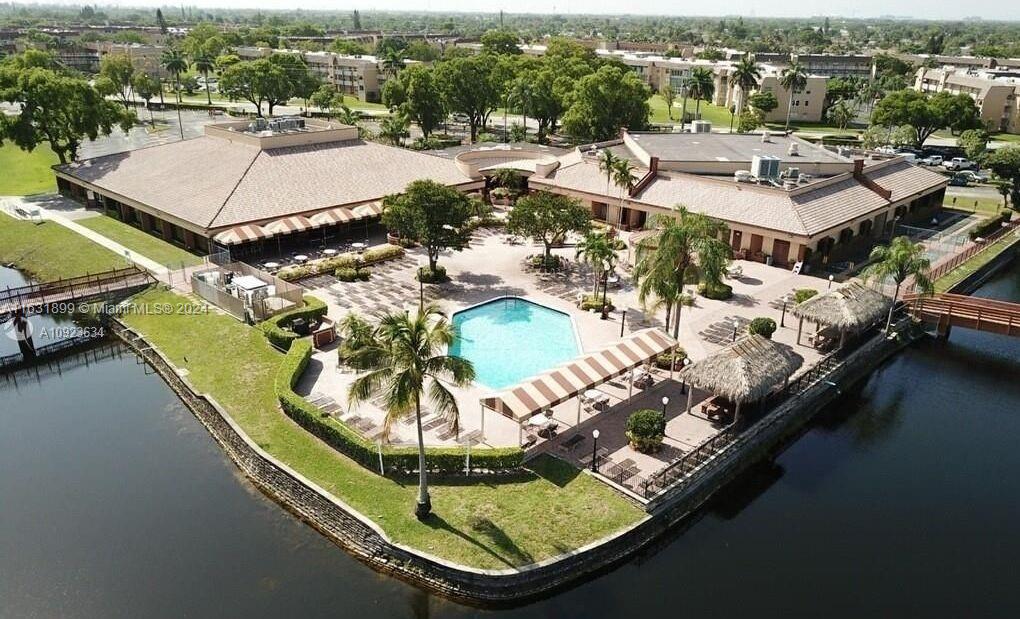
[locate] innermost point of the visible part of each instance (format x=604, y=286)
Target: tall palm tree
x=393, y=62
x=394, y=128
x=598, y=251
x=793, y=78
x=175, y=63
x=623, y=177
x=897, y=261
x=607, y=165
x=205, y=64
x=683, y=240
x=702, y=87
x=407, y=361
x=745, y=75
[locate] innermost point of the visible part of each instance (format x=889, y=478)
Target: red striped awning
x=289, y=225
x=242, y=234
x=575, y=377
x=333, y=216
x=372, y=209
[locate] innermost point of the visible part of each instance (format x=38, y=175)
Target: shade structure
x=371, y=209
x=242, y=234
x=289, y=225
x=577, y=376
x=851, y=306
x=744, y=371
x=333, y=216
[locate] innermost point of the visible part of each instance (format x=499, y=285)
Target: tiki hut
x=851, y=307
x=745, y=371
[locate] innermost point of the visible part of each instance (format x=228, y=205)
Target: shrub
x=347, y=274
x=719, y=292
x=336, y=434
x=432, y=276
x=803, y=294
x=989, y=225
x=343, y=261
x=381, y=253
x=762, y=326
x=276, y=328
x=550, y=263
x=677, y=357
x=594, y=302
x=645, y=429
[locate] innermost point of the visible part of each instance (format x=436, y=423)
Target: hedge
x=343, y=261
x=275, y=328
x=402, y=460
x=718, y=292
x=990, y=225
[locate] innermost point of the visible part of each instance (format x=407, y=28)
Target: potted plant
x=646, y=429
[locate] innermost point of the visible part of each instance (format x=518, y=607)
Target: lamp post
x=605, y=285
x=736, y=325
x=683, y=383
x=594, y=450
x=782, y=318
x=831, y=277
x=665, y=401
x=623, y=320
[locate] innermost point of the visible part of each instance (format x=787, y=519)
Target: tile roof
x=903, y=178
x=216, y=183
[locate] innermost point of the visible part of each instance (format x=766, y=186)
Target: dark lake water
x=900, y=500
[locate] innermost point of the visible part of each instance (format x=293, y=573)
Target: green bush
x=343, y=261
x=677, y=357
x=594, y=302
x=989, y=225
x=803, y=294
x=718, y=292
x=646, y=428
x=430, y=276
x=336, y=434
x=381, y=253
x=276, y=330
x=762, y=326
x=347, y=274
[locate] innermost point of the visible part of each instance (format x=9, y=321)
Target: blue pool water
x=509, y=340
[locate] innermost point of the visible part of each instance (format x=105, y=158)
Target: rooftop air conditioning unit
x=765, y=166
x=743, y=176
x=794, y=149
x=701, y=126
x=791, y=172
x=766, y=136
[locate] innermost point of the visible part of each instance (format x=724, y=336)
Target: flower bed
x=343, y=261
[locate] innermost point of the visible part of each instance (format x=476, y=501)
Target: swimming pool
x=511, y=339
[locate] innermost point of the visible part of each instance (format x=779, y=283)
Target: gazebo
x=745, y=371
x=851, y=307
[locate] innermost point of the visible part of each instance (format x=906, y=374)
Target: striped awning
x=242, y=234
x=575, y=377
x=338, y=215
x=372, y=209
x=289, y=225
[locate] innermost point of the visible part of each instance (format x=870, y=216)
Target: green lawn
x=23, y=173
x=48, y=250
x=480, y=522
x=717, y=115
x=987, y=206
x=150, y=246
x=986, y=255
x=1012, y=138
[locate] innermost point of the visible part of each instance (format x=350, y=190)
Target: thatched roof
x=851, y=306
x=745, y=371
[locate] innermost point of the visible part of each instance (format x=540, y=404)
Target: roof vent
x=766, y=136
x=794, y=149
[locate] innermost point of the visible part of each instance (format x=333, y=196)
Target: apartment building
x=361, y=76
x=824, y=65
x=145, y=58
x=996, y=93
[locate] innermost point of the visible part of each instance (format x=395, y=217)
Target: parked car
x=974, y=177
x=911, y=157
x=958, y=163
x=932, y=160
x=959, y=180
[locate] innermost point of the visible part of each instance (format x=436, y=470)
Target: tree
x=548, y=218
x=744, y=75
x=1005, y=163
x=161, y=22
x=608, y=163
x=606, y=101
x=393, y=62
x=55, y=108
x=394, y=128
x=430, y=214
x=1005, y=188
x=974, y=143
x=300, y=82
x=682, y=240
x=750, y=120
x=897, y=261
x=668, y=96
x=356, y=19
x=518, y=133
x=347, y=47
x=175, y=63
x=841, y=113
x=117, y=68
x=467, y=87
x=793, y=79
x=598, y=251
x=500, y=42
x=763, y=102
x=926, y=114
x=418, y=96
x=406, y=358
x=702, y=87
x=146, y=87
x=623, y=177
x=328, y=99
x=258, y=81
x=422, y=51
x=205, y=64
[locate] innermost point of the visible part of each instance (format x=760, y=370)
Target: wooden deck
x=34, y=298
x=955, y=310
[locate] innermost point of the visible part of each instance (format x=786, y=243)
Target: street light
x=782, y=318
x=736, y=325
x=665, y=401
x=605, y=286
x=683, y=383
x=831, y=277
x=594, y=450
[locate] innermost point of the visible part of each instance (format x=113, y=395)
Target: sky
x=924, y=9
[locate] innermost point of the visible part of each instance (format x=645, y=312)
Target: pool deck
x=491, y=268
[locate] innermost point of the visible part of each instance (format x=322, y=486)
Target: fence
x=238, y=308
x=944, y=267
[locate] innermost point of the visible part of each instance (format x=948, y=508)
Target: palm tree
x=793, y=78
x=841, y=113
x=394, y=128
x=393, y=62
x=407, y=357
x=607, y=164
x=681, y=239
x=175, y=63
x=205, y=64
x=702, y=87
x=623, y=177
x=745, y=75
x=598, y=251
x=899, y=260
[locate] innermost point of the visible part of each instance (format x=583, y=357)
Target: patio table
x=272, y=265
x=301, y=258
x=329, y=252
x=358, y=246
x=540, y=420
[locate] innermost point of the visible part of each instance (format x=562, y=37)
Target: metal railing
x=72, y=289
x=947, y=265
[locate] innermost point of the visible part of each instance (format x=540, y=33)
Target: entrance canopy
x=575, y=377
